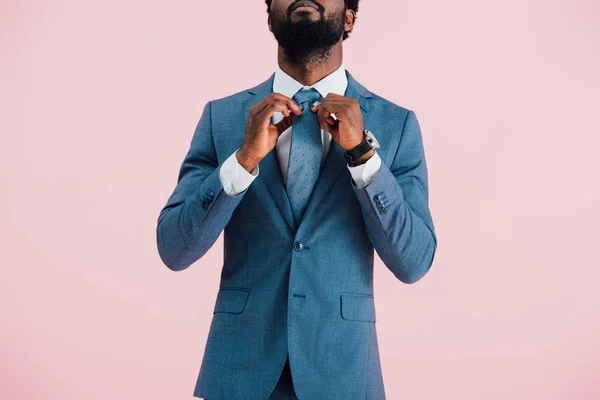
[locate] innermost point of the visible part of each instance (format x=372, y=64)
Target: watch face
x=371, y=138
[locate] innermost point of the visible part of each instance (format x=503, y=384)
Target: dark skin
x=261, y=135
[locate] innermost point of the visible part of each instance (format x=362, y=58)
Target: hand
x=261, y=135
x=347, y=131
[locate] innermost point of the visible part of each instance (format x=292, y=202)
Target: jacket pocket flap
x=231, y=300
x=358, y=307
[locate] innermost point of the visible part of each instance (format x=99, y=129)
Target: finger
x=325, y=115
x=336, y=105
x=284, y=124
x=322, y=121
x=292, y=105
x=278, y=97
x=265, y=115
x=326, y=125
x=325, y=119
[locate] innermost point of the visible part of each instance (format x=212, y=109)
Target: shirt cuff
x=234, y=177
x=365, y=173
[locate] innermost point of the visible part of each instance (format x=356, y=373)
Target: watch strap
x=355, y=153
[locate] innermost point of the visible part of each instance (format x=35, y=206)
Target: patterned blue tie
x=305, y=153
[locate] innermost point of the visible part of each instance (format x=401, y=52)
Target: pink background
x=98, y=105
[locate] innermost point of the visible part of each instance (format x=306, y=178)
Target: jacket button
x=377, y=197
x=211, y=195
x=298, y=246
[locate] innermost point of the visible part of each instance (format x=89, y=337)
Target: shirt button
x=298, y=246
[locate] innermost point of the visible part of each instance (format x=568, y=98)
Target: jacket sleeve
x=395, y=208
x=198, y=209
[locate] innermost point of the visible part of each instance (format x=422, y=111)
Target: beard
x=306, y=41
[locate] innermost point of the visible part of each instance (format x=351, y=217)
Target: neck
x=313, y=69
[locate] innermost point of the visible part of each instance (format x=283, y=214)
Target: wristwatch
x=369, y=142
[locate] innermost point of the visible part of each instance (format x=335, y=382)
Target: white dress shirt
x=236, y=179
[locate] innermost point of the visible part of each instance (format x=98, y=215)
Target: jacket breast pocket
x=358, y=307
x=231, y=300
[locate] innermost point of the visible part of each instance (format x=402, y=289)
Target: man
x=306, y=174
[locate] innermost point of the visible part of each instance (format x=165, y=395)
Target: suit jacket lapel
x=335, y=162
x=270, y=173
x=270, y=177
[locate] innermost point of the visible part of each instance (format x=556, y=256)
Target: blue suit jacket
x=305, y=288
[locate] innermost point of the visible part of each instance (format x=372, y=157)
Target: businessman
x=306, y=174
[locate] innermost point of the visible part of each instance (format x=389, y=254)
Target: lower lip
x=305, y=8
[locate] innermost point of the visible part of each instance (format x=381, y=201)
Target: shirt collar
x=336, y=82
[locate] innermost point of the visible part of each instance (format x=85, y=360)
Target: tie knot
x=307, y=95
